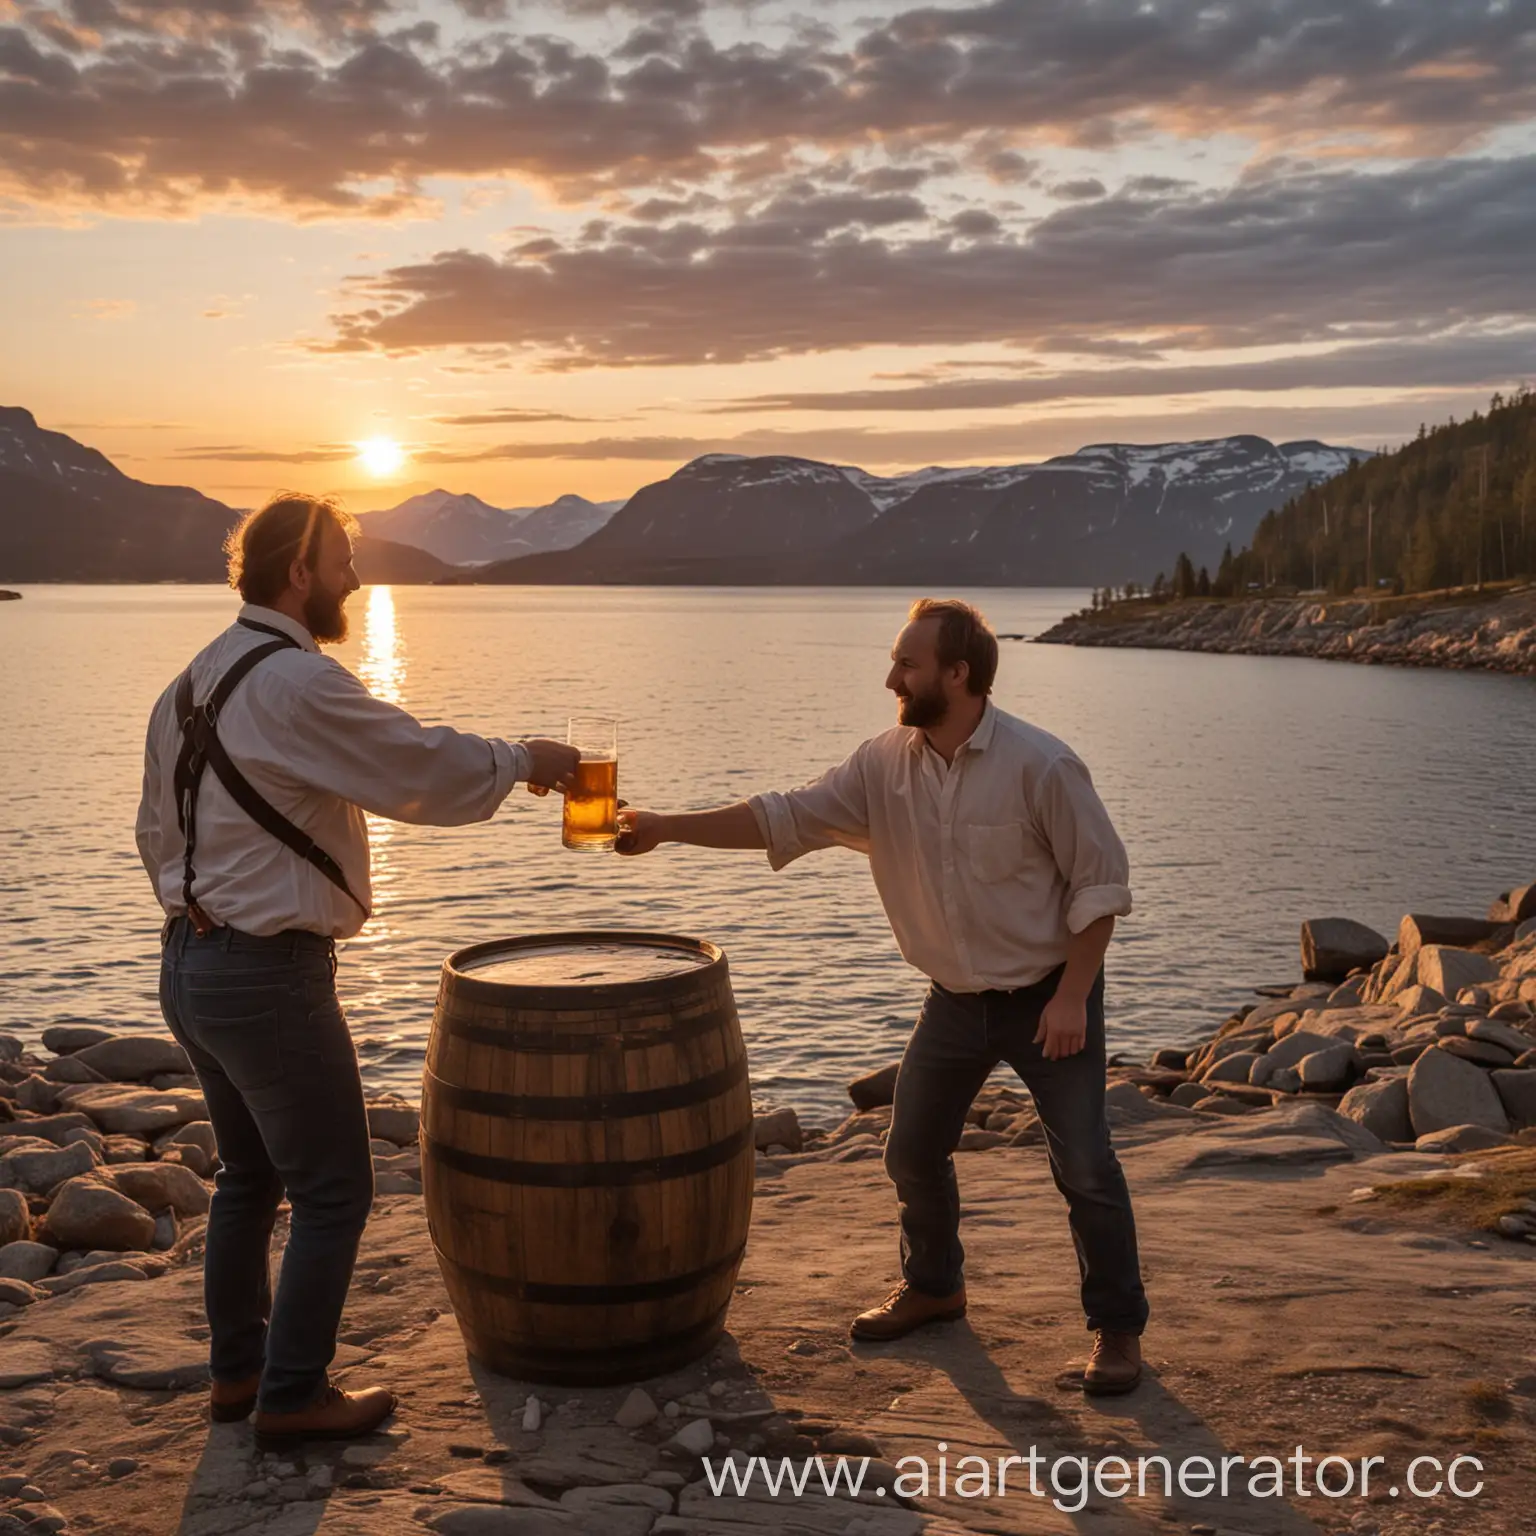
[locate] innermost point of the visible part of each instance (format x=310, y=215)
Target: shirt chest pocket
x=993, y=852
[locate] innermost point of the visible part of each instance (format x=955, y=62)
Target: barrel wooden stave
x=587, y=1250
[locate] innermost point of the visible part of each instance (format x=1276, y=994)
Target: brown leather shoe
x=905, y=1309
x=1116, y=1364
x=334, y=1415
x=231, y=1401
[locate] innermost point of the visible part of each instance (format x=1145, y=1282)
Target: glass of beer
x=592, y=802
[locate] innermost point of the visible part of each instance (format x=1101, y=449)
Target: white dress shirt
x=985, y=865
x=322, y=750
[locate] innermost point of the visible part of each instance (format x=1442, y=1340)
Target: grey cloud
x=975, y=223
x=144, y=119
x=1443, y=363
x=234, y=453
x=506, y=418
x=1079, y=191
x=1284, y=258
x=1366, y=426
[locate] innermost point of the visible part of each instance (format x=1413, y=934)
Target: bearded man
x=1002, y=876
x=259, y=764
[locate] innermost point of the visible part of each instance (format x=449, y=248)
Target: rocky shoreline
x=1409, y=1063
x=1466, y=633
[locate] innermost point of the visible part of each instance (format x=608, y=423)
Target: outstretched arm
x=831, y=812
x=731, y=826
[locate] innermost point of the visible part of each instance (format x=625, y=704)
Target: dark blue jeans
x=260, y=1020
x=959, y=1039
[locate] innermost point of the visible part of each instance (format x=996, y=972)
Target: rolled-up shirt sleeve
x=342, y=739
x=1084, y=843
x=830, y=812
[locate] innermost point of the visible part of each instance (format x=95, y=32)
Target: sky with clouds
x=553, y=245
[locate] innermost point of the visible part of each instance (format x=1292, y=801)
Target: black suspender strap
x=201, y=747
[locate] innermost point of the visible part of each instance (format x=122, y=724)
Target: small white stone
x=671, y=1410
x=635, y=1410
x=695, y=1437
x=533, y=1413
x=718, y=1388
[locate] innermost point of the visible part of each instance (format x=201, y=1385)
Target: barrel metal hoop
x=620, y=1105
x=546, y=1293
x=606, y=1175
x=572, y=1043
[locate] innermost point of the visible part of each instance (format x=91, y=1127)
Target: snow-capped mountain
x=1111, y=512
x=464, y=530
x=723, y=504
x=561, y=524
x=459, y=528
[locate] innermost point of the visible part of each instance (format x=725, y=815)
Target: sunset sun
x=380, y=456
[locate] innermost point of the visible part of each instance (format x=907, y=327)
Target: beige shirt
x=985, y=865
x=316, y=744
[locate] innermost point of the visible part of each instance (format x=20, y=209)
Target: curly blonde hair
x=264, y=544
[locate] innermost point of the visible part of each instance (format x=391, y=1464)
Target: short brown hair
x=265, y=543
x=964, y=635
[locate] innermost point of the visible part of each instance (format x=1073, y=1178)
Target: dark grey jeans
x=260, y=1020
x=959, y=1039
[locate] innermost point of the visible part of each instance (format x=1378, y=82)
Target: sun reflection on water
x=382, y=668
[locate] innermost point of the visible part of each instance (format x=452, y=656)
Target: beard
x=324, y=616
x=923, y=710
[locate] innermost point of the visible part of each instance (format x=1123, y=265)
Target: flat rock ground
x=1285, y=1315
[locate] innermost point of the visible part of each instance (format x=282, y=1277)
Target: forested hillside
x=1455, y=507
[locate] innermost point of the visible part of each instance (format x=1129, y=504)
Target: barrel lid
x=572, y=970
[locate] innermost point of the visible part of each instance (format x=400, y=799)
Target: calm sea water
x=1252, y=793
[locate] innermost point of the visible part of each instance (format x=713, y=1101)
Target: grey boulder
x=1444, y=1092
x=35, y=1173
x=162, y=1186
x=15, y=1217
x=1501, y=1032
x=136, y=1111
x=1516, y=1088
x=1231, y=1069
x=66, y=1039
x=394, y=1120
x=134, y=1058
x=1381, y=1107
x=1330, y=1068
x=778, y=1128
x=90, y=1214
x=1290, y=1049
x=27, y=1261
x=1460, y=1138
x=874, y=1089
x=1332, y=947
x=1448, y=969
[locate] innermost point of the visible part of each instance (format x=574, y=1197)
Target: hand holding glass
x=589, y=822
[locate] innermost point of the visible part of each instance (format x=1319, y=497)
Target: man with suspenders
x=259, y=764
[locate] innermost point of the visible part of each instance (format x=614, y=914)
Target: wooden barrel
x=587, y=1159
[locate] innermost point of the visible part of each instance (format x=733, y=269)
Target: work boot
x=231, y=1401
x=1116, y=1364
x=334, y=1415
x=905, y=1309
